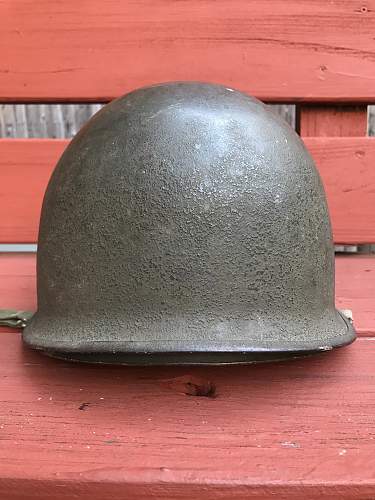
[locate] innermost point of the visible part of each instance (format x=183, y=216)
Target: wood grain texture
x=355, y=286
x=25, y=168
x=291, y=430
x=278, y=50
x=60, y=121
x=55, y=120
x=355, y=290
x=331, y=121
x=302, y=429
x=345, y=164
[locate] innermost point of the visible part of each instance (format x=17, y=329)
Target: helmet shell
x=185, y=223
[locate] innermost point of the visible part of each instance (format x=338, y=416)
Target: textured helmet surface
x=185, y=223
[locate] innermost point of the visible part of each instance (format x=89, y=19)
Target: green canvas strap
x=14, y=319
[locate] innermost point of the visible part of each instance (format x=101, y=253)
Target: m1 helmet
x=185, y=224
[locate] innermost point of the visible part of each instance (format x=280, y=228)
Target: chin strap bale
x=348, y=314
x=14, y=319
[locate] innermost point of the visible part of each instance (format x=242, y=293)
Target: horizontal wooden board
x=355, y=286
x=303, y=429
x=278, y=50
x=332, y=120
x=355, y=290
x=346, y=166
x=25, y=168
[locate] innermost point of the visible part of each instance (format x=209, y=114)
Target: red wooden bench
x=301, y=429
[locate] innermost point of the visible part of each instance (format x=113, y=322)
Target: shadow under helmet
x=185, y=223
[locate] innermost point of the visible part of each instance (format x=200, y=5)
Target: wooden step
x=299, y=429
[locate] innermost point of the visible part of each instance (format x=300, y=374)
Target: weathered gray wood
x=21, y=129
x=64, y=120
x=35, y=114
x=7, y=121
x=54, y=121
x=371, y=120
x=43, y=120
x=287, y=111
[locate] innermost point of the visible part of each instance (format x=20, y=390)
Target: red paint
x=287, y=430
x=355, y=290
x=355, y=287
x=25, y=168
x=279, y=50
x=190, y=385
x=346, y=166
x=17, y=281
x=302, y=429
x=330, y=121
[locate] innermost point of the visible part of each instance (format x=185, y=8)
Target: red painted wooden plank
x=355, y=286
x=25, y=168
x=355, y=290
x=279, y=50
x=302, y=429
x=346, y=166
x=17, y=281
x=329, y=121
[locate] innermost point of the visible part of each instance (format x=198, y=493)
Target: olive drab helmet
x=185, y=223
